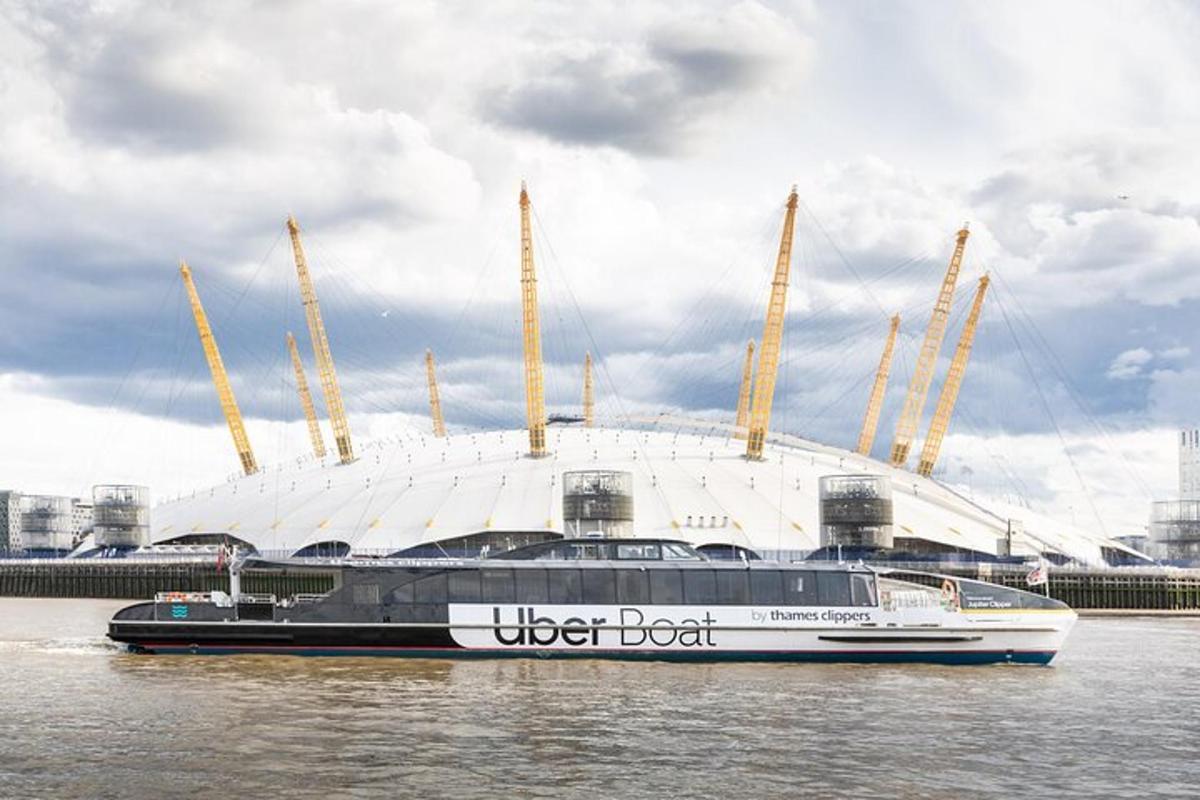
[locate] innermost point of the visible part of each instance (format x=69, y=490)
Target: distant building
x=42, y=522
x=81, y=518
x=1189, y=464
x=46, y=523
x=1135, y=541
x=1175, y=524
x=10, y=520
x=121, y=515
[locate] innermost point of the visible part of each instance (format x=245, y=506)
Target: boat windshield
x=677, y=552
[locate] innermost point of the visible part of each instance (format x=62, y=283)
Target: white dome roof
x=416, y=489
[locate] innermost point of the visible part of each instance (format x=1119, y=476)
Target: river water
x=1118, y=714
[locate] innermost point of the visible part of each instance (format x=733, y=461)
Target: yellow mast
x=306, y=402
x=743, y=406
x=918, y=389
x=772, y=338
x=954, y=378
x=875, y=405
x=220, y=378
x=589, y=393
x=435, y=402
x=320, y=343
x=535, y=398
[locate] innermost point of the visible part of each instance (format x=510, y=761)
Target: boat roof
x=578, y=552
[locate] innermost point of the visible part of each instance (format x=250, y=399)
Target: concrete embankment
x=139, y=580
x=1126, y=590
x=1133, y=590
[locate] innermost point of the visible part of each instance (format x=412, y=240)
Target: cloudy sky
x=659, y=142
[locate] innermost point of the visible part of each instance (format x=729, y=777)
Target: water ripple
x=1115, y=716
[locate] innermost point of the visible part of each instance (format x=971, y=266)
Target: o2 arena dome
x=427, y=495
x=738, y=489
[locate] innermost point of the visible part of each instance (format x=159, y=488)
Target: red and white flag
x=1038, y=575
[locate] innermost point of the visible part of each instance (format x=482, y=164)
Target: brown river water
x=1116, y=715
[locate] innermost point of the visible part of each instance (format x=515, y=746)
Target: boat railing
x=256, y=599
x=183, y=597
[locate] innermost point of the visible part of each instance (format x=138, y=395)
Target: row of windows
x=639, y=586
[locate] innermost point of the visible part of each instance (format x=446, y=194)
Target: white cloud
x=1174, y=396
x=1175, y=353
x=1128, y=364
x=55, y=446
x=1105, y=484
x=157, y=139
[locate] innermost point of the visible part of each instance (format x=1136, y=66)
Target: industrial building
x=45, y=524
x=10, y=520
x=1175, y=524
x=739, y=488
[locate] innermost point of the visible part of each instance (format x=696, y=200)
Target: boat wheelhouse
x=609, y=598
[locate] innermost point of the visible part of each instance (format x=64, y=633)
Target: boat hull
x=815, y=646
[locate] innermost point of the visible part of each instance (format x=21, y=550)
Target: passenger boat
x=610, y=598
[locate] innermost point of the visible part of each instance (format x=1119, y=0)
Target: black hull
x=177, y=637
x=436, y=642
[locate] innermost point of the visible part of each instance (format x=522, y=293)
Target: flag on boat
x=1038, y=575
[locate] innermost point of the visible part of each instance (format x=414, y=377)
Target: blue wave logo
x=179, y=612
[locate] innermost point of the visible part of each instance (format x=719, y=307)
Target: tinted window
x=366, y=594
x=497, y=585
x=833, y=589
x=403, y=593
x=632, y=586
x=677, y=552
x=531, y=585
x=584, y=552
x=766, y=586
x=862, y=590
x=599, y=587
x=800, y=588
x=431, y=589
x=699, y=586
x=565, y=586
x=464, y=586
x=666, y=587
x=638, y=551
x=733, y=587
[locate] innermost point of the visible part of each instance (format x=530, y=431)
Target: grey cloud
x=141, y=354
x=649, y=97
x=1104, y=209
x=119, y=99
x=583, y=104
x=710, y=69
x=125, y=79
